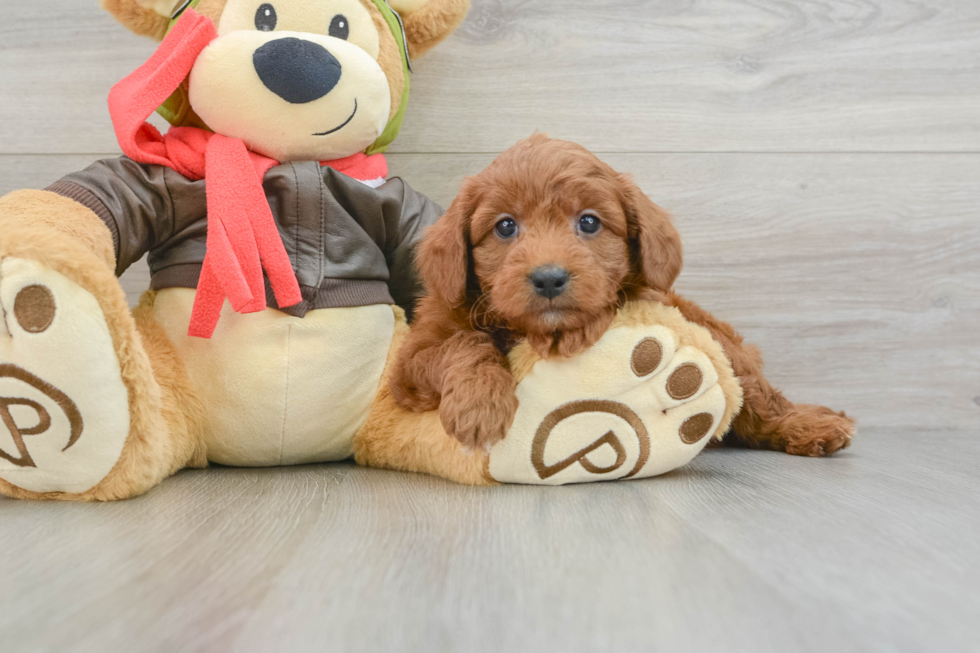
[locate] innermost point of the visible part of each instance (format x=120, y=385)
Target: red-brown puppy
x=545, y=244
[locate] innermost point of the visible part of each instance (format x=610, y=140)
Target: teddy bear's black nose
x=296, y=70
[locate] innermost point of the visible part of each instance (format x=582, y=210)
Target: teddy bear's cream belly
x=277, y=389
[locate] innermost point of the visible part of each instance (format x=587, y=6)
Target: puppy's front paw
x=478, y=409
x=412, y=399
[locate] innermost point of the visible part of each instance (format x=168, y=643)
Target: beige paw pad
x=64, y=411
x=644, y=400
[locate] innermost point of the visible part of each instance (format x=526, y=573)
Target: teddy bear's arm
x=44, y=211
x=134, y=201
x=407, y=214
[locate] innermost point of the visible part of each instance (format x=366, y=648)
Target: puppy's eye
x=506, y=228
x=265, y=18
x=589, y=224
x=339, y=27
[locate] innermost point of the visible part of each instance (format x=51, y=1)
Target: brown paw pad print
x=685, y=381
x=34, y=308
x=696, y=427
x=647, y=357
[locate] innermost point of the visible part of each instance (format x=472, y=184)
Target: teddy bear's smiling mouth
x=342, y=125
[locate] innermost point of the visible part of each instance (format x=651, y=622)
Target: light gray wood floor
x=822, y=160
x=739, y=551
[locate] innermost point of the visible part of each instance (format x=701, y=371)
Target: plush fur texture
x=480, y=300
x=152, y=17
x=46, y=209
x=430, y=23
x=138, y=18
x=182, y=409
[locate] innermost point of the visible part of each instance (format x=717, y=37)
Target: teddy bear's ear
x=427, y=22
x=152, y=17
x=144, y=17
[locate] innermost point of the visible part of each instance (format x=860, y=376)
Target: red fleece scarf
x=242, y=238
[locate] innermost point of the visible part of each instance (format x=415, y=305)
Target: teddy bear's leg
x=416, y=442
x=91, y=404
x=394, y=438
x=768, y=420
x=642, y=401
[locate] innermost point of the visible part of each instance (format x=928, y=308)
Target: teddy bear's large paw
x=638, y=403
x=64, y=410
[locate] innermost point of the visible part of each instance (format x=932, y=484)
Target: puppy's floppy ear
x=443, y=256
x=427, y=22
x=654, y=242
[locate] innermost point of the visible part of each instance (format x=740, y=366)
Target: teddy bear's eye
x=339, y=27
x=265, y=18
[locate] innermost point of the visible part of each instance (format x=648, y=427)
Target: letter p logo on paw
x=600, y=412
x=43, y=423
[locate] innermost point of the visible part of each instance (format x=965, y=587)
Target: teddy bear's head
x=300, y=79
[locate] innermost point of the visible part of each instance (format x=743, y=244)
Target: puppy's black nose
x=549, y=280
x=297, y=70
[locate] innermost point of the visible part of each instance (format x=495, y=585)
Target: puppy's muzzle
x=549, y=280
x=297, y=70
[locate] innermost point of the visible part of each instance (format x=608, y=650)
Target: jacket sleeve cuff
x=88, y=199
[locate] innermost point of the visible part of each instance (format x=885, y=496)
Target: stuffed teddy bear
x=282, y=265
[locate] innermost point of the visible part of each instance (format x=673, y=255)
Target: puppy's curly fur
x=481, y=299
